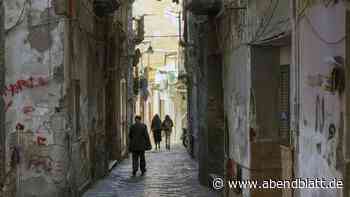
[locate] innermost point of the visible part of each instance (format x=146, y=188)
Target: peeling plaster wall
x=238, y=75
x=320, y=152
x=267, y=18
x=2, y=84
x=55, y=116
x=236, y=79
x=194, y=72
x=37, y=149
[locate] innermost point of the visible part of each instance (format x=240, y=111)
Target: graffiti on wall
x=11, y=90
x=331, y=131
x=315, y=80
x=339, y=149
x=84, y=168
x=37, y=152
x=22, y=84
x=39, y=163
x=319, y=114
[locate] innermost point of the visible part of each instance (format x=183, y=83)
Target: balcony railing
x=139, y=30
x=105, y=7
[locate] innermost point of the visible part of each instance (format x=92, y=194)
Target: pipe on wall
x=2, y=84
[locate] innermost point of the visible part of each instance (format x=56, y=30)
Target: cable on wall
x=20, y=18
x=259, y=35
x=319, y=36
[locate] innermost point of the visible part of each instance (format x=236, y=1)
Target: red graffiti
x=21, y=84
x=15, y=157
x=28, y=109
x=8, y=105
x=231, y=168
x=19, y=126
x=17, y=87
x=41, y=141
x=40, y=162
x=58, y=166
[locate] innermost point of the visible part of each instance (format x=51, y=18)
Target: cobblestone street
x=169, y=174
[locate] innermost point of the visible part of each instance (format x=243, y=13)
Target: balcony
x=204, y=7
x=139, y=31
x=105, y=7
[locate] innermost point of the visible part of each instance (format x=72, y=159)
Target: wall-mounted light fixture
x=335, y=81
x=150, y=50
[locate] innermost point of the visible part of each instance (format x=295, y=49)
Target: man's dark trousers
x=136, y=155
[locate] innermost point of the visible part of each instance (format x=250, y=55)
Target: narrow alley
x=169, y=174
x=254, y=96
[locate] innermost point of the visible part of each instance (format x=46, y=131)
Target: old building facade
x=281, y=67
x=68, y=98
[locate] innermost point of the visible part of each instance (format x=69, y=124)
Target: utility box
x=204, y=7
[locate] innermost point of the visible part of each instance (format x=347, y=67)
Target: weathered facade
x=68, y=94
x=205, y=93
x=321, y=148
x=2, y=83
x=283, y=67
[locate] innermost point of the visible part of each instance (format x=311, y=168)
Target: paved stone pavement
x=169, y=174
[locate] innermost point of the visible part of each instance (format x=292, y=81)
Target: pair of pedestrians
x=157, y=126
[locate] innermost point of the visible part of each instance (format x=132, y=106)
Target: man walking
x=139, y=143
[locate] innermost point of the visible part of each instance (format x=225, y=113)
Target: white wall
x=319, y=155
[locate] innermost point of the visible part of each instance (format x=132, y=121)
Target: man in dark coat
x=138, y=143
x=157, y=130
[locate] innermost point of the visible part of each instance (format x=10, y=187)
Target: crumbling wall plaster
x=321, y=134
x=236, y=83
x=35, y=127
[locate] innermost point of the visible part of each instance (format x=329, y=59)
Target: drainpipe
x=295, y=90
x=2, y=84
x=346, y=170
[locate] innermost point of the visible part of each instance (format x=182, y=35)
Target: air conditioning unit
x=105, y=7
x=204, y=7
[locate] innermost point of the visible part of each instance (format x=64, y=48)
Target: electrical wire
x=49, y=34
x=47, y=22
x=261, y=24
x=303, y=15
x=254, y=169
x=163, y=36
x=319, y=36
x=258, y=36
x=90, y=11
x=303, y=10
x=20, y=18
x=91, y=35
x=227, y=34
x=261, y=29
